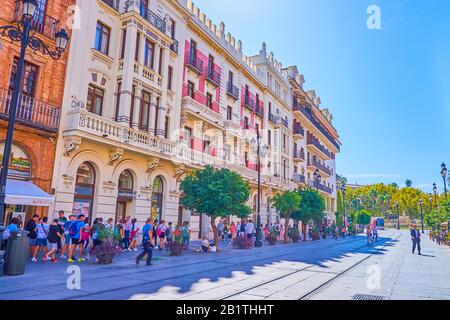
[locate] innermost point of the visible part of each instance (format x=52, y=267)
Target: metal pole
x=12, y=117
x=421, y=215
x=343, y=193
x=258, y=242
x=398, y=218
x=445, y=186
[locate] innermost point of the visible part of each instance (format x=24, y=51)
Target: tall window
x=210, y=65
x=102, y=36
x=149, y=54
x=95, y=100
x=193, y=51
x=209, y=100
x=269, y=137
x=166, y=127
x=84, y=190
x=138, y=47
x=39, y=15
x=191, y=90
x=119, y=92
x=172, y=28
x=229, y=113
x=144, y=113
x=169, y=78
x=161, y=54
x=245, y=122
x=29, y=78
x=124, y=41
x=230, y=77
x=133, y=98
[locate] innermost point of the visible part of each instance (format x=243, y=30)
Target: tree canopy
x=312, y=206
x=287, y=203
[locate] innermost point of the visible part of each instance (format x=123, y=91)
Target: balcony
x=299, y=178
x=232, y=91
x=320, y=187
x=194, y=63
x=249, y=103
x=259, y=111
x=196, y=105
x=298, y=130
x=299, y=108
x=316, y=164
x=299, y=155
x=113, y=4
x=31, y=112
x=277, y=120
x=213, y=77
x=151, y=17
x=174, y=46
x=311, y=141
x=42, y=23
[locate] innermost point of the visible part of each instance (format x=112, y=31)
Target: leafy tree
x=216, y=193
x=312, y=207
x=287, y=203
x=408, y=183
x=436, y=217
x=394, y=184
x=364, y=217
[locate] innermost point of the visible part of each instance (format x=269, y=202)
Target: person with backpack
x=133, y=233
x=32, y=235
x=41, y=239
x=75, y=233
x=65, y=227
x=86, y=235
x=96, y=230
x=186, y=233
x=61, y=221
x=162, y=234
x=119, y=232
x=146, y=243
x=53, y=236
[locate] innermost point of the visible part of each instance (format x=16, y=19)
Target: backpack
x=73, y=228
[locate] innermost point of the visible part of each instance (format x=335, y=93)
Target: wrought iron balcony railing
x=313, y=141
x=249, y=102
x=232, y=91
x=42, y=23
x=148, y=15
x=194, y=63
x=319, y=186
x=298, y=178
x=174, y=46
x=259, y=111
x=114, y=4
x=313, y=162
x=31, y=112
x=213, y=76
x=298, y=129
x=299, y=154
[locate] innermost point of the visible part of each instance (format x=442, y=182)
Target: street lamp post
x=430, y=199
x=444, y=177
x=344, y=190
x=22, y=32
x=435, y=194
x=421, y=213
x=258, y=241
x=397, y=205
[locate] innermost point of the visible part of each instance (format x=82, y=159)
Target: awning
x=19, y=192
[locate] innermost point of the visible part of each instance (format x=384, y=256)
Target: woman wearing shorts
x=162, y=234
x=133, y=233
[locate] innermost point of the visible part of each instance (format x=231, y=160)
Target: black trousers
x=147, y=250
x=416, y=243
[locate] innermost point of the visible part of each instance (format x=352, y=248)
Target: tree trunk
x=304, y=230
x=286, y=226
x=216, y=232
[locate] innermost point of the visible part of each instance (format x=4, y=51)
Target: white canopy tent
x=19, y=192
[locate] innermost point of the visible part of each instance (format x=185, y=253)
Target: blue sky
x=388, y=89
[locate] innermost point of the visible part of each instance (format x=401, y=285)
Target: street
x=326, y=269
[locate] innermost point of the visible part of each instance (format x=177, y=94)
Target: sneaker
x=44, y=259
x=33, y=259
x=48, y=258
x=70, y=261
x=62, y=256
x=129, y=250
x=81, y=260
x=54, y=260
x=135, y=249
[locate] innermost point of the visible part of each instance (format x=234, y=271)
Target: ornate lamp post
x=435, y=194
x=259, y=152
x=444, y=177
x=24, y=34
x=397, y=205
x=421, y=213
x=343, y=188
x=430, y=199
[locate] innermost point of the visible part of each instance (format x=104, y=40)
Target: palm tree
x=408, y=183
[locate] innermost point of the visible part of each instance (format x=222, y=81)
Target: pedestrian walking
x=54, y=234
x=75, y=233
x=186, y=233
x=249, y=229
x=96, y=230
x=169, y=232
x=67, y=241
x=415, y=238
x=233, y=230
x=85, y=235
x=133, y=233
x=146, y=243
x=162, y=234
x=226, y=233
x=127, y=232
x=155, y=232
x=119, y=232
x=220, y=227
x=32, y=234
x=41, y=240
x=369, y=236
x=61, y=221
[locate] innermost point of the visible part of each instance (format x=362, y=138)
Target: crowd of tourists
x=75, y=235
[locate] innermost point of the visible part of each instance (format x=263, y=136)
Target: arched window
x=157, y=198
x=125, y=195
x=84, y=190
x=19, y=163
x=126, y=181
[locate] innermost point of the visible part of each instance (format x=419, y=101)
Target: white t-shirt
x=249, y=228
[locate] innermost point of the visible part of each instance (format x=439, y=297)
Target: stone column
x=163, y=101
x=137, y=106
x=153, y=106
x=127, y=78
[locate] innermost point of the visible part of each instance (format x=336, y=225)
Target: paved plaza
x=325, y=269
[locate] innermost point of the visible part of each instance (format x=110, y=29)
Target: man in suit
x=415, y=237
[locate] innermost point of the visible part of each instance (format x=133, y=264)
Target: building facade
x=156, y=91
x=38, y=114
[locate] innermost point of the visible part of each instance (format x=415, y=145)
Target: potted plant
x=176, y=246
x=272, y=237
x=109, y=248
x=242, y=242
